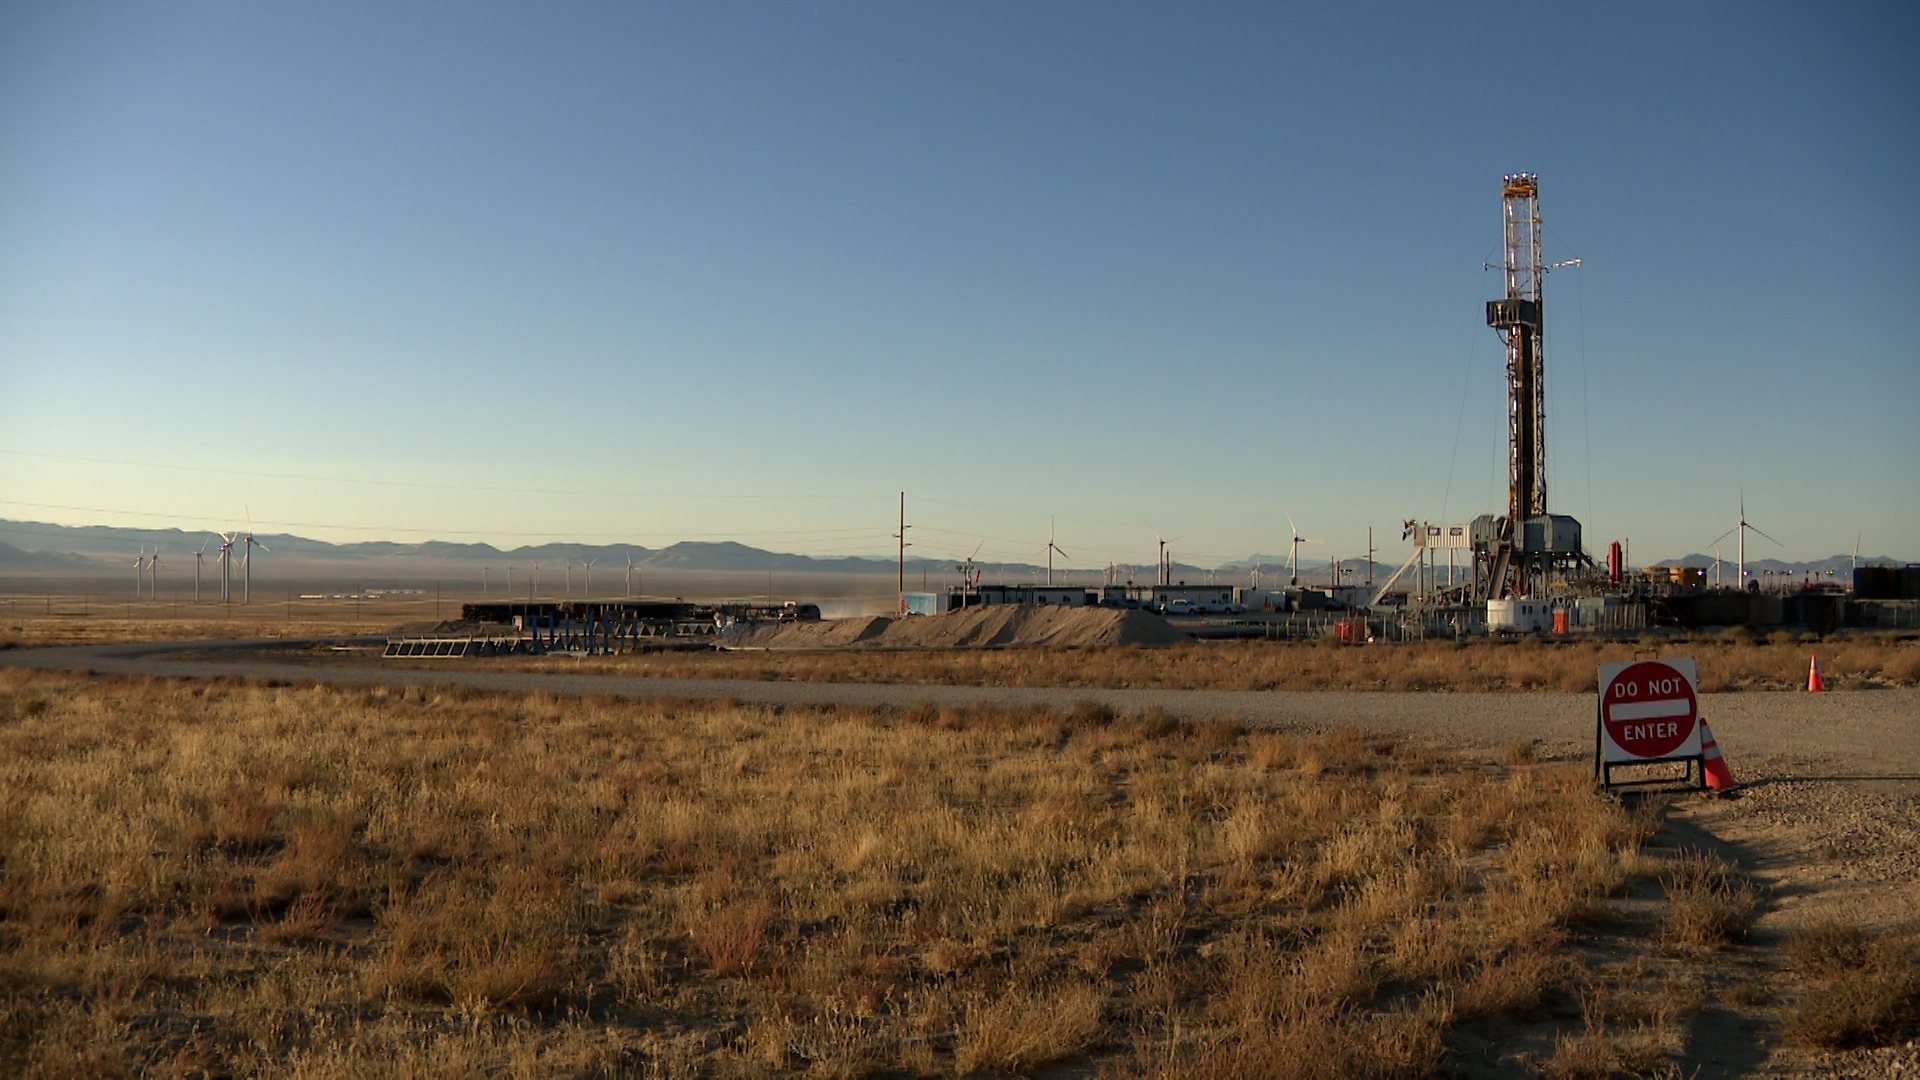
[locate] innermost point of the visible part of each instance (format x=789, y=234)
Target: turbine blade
x=1776, y=543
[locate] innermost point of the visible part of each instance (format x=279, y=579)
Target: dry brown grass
x=1735, y=661
x=321, y=881
x=1861, y=990
x=23, y=625
x=1709, y=904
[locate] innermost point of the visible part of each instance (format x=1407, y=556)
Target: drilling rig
x=1521, y=554
x=1529, y=546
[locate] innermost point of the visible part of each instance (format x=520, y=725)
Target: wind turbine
x=629, y=572
x=246, y=565
x=226, y=565
x=1743, y=528
x=153, y=574
x=1051, y=548
x=569, y=577
x=140, y=572
x=483, y=577
x=197, y=556
x=535, y=587
x=1297, y=540
x=509, y=579
x=586, y=584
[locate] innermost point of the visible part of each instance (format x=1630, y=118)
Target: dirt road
x=1859, y=734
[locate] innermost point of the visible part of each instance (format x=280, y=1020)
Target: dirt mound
x=985, y=626
x=825, y=634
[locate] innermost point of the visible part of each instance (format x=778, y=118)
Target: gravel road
x=1856, y=734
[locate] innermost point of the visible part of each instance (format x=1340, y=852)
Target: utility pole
x=901, y=536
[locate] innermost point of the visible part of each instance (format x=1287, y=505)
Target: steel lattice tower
x=1520, y=319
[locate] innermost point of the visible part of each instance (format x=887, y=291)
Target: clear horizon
x=1311, y=562
x=745, y=273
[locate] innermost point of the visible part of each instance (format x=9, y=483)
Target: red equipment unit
x=1616, y=565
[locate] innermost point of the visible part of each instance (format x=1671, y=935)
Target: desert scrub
x=307, y=879
x=1709, y=903
x=1734, y=662
x=1860, y=990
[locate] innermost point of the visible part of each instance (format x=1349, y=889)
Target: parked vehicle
x=1217, y=607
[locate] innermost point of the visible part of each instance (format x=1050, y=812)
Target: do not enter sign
x=1649, y=711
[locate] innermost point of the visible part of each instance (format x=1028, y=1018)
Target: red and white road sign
x=1649, y=711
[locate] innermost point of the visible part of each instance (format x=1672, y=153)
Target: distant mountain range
x=38, y=547
x=11, y=556
x=1837, y=566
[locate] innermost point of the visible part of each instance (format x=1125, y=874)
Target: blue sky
x=648, y=273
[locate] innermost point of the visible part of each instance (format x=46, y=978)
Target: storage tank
x=1877, y=582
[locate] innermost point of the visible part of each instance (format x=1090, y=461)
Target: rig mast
x=1531, y=543
x=1519, y=319
x=1522, y=552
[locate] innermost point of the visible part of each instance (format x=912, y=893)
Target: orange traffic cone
x=1713, y=767
x=1814, y=683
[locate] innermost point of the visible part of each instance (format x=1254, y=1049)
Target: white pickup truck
x=1217, y=607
